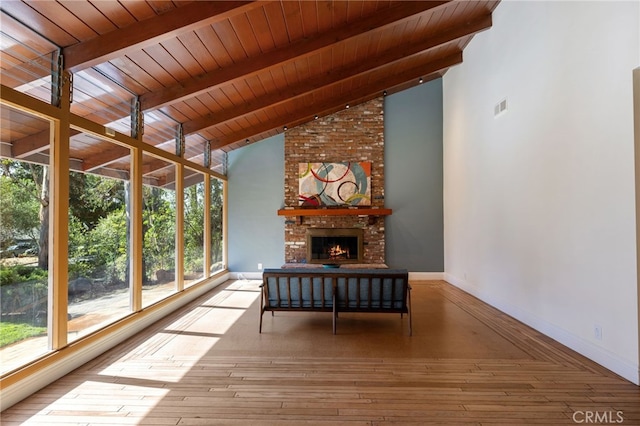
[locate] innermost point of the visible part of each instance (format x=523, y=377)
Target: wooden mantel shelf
x=334, y=212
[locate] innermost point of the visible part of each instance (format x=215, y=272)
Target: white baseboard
x=245, y=275
x=610, y=361
x=426, y=276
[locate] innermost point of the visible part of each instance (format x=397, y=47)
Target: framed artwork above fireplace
x=335, y=184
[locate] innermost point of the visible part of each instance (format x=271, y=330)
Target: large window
x=158, y=230
x=24, y=244
x=89, y=227
x=217, y=231
x=99, y=228
x=193, y=226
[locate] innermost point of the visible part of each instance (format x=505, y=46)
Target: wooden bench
x=336, y=290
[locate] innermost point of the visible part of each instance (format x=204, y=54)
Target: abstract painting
x=335, y=184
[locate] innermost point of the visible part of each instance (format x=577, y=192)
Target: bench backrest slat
x=277, y=286
x=297, y=292
x=371, y=292
x=356, y=290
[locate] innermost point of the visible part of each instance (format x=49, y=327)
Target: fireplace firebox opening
x=335, y=245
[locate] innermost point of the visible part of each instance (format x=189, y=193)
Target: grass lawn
x=10, y=333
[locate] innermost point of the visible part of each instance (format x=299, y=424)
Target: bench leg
x=262, y=309
x=261, y=313
x=335, y=313
x=409, y=306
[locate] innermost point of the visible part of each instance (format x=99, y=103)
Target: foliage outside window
x=99, y=228
x=193, y=227
x=158, y=235
x=24, y=271
x=216, y=212
x=100, y=225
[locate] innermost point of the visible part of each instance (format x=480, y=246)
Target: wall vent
x=500, y=107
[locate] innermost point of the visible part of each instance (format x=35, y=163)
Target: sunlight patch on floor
x=193, y=335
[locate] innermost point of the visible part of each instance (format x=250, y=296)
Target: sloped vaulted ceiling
x=228, y=72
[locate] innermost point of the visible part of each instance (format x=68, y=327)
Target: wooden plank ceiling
x=229, y=72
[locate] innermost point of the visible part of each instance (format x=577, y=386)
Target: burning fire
x=337, y=252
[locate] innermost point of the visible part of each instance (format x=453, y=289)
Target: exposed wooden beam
x=23, y=102
x=327, y=106
x=40, y=141
x=31, y=144
x=189, y=178
x=391, y=56
x=151, y=31
x=113, y=112
x=26, y=68
x=37, y=142
x=250, y=66
x=152, y=164
x=114, y=152
x=125, y=140
x=109, y=155
x=322, y=109
x=26, y=72
x=34, y=144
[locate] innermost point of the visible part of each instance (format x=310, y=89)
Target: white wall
x=539, y=202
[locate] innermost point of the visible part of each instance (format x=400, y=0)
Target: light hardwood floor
x=206, y=364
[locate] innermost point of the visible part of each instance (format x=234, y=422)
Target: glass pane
x=99, y=228
x=27, y=59
x=195, y=146
x=219, y=161
x=216, y=189
x=158, y=230
x=160, y=131
x=24, y=238
x=101, y=100
x=193, y=227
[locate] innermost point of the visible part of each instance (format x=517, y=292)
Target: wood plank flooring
x=466, y=364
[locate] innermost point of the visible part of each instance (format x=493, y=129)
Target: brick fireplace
x=355, y=134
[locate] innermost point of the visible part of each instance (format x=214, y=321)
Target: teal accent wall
x=413, y=189
x=413, y=178
x=255, y=194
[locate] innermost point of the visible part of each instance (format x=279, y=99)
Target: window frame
x=63, y=121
